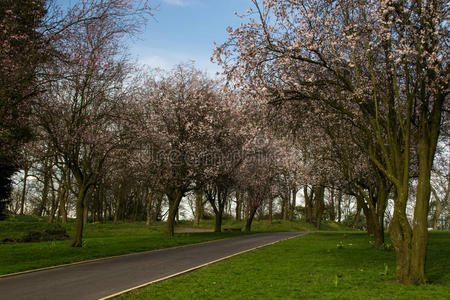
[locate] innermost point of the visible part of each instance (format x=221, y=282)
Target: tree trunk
x=218, y=220
x=47, y=177
x=218, y=199
x=436, y=214
x=174, y=196
x=24, y=191
x=308, y=205
x=293, y=204
x=401, y=235
x=65, y=195
x=149, y=208
x=270, y=211
x=157, y=211
x=78, y=236
x=248, y=223
x=62, y=206
x=285, y=205
x=319, y=195
x=238, y=207
x=375, y=225
x=198, y=207
x=339, y=211
x=357, y=215
x=332, y=206
x=118, y=207
x=55, y=203
x=247, y=211
x=420, y=224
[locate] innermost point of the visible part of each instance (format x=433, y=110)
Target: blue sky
x=184, y=30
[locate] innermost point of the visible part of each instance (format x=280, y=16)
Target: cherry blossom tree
x=20, y=54
x=259, y=174
x=176, y=110
x=83, y=113
x=382, y=65
x=222, y=140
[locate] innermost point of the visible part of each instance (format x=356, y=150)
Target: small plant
x=387, y=246
x=386, y=270
x=336, y=279
x=340, y=245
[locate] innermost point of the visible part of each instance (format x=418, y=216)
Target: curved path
x=101, y=278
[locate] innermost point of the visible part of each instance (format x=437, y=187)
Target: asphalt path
x=101, y=278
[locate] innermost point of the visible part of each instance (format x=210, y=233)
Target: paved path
x=94, y=280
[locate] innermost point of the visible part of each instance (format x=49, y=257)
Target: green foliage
x=309, y=267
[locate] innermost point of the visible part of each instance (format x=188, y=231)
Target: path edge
x=111, y=257
x=199, y=267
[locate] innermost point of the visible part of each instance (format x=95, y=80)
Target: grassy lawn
x=103, y=240
x=100, y=240
x=277, y=225
x=310, y=267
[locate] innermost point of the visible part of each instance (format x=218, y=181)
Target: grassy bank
x=325, y=265
x=104, y=240
x=100, y=240
x=276, y=226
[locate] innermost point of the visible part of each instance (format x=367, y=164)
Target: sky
x=184, y=30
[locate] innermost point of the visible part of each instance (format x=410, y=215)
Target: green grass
x=104, y=240
x=309, y=267
x=100, y=240
x=277, y=225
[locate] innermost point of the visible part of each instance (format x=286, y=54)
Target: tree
x=176, y=107
x=21, y=50
x=83, y=113
x=222, y=145
x=386, y=74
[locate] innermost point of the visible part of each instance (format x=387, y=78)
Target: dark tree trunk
x=319, y=194
x=157, y=211
x=218, y=198
x=238, y=207
x=270, y=211
x=149, y=208
x=285, y=207
x=293, y=204
x=339, y=211
x=308, y=204
x=55, y=203
x=47, y=176
x=24, y=190
x=332, y=206
x=64, y=196
x=357, y=214
x=218, y=221
x=174, y=196
x=118, y=207
x=79, y=224
x=248, y=223
x=198, y=207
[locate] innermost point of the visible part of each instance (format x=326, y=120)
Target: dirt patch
x=192, y=230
